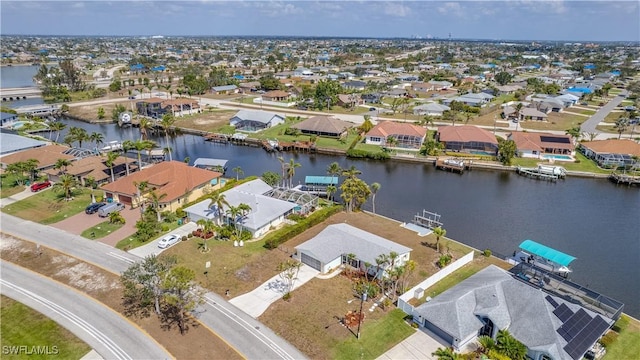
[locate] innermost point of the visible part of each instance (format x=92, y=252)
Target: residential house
x=421, y=87
x=405, y=135
x=472, y=99
x=612, y=153
x=372, y=73
x=508, y=89
x=302, y=72
x=94, y=167
x=225, y=89
x=330, y=249
x=354, y=85
x=323, y=125
x=46, y=156
x=349, y=100
x=157, y=107
x=176, y=182
x=10, y=143
x=535, y=145
x=373, y=98
x=276, y=95
x=440, y=85
x=568, y=99
x=249, y=87
x=255, y=120
x=492, y=299
x=467, y=138
x=526, y=113
x=432, y=109
x=7, y=119
x=396, y=93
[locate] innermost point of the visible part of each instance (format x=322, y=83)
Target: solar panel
x=586, y=337
x=574, y=325
x=551, y=301
x=563, y=313
x=554, y=139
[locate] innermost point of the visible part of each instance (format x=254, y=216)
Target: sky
x=568, y=20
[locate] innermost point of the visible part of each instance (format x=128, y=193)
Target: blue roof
x=580, y=89
x=546, y=252
x=589, y=66
x=239, y=77
x=321, y=180
x=137, y=67
x=159, y=68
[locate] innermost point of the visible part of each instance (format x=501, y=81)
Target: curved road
x=106, y=331
x=589, y=126
x=248, y=336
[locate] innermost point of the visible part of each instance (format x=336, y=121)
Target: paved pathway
x=19, y=196
x=80, y=222
x=589, y=126
x=258, y=300
x=418, y=346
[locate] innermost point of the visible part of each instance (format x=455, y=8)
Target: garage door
x=125, y=199
x=306, y=259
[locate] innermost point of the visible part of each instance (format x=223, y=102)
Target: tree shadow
x=172, y=317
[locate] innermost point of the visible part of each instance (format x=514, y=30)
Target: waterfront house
x=492, y=300
x=467, y=138
x=10, y=143
x=276, y=95
x=94, y=167
x=7, y=119
x=405, y=135
x=46, y=156
x=179, y=182
x=536, y=145
x=332, y=246
x=611, y=153
x=255, y=120
x=432, y=109
x=157, y=107
x=323, y=125
x=224, y=89
x=267, y=210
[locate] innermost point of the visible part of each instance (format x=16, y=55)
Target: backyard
x=49, y=206
x=582, y=164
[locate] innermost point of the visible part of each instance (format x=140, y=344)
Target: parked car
x=93, y=208
x=168, y=240
x=109, y=208
x=41, y=185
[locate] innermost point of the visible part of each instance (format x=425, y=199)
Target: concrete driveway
x=78, y=223
x=589, y=126
x=255, y=302
x=418, y=346
x=152, y=247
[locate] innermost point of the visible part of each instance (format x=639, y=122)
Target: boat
x=543, y=257
x=112, y=146
x=219, y=165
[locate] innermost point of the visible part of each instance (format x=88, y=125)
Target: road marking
x=102, y=338
x=121, y=257
x=251, y=329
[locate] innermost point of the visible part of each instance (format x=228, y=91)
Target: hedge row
x=364, y=154
x=286, y=233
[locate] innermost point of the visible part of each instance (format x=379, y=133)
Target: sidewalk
x=418, y=346
x=258, y=300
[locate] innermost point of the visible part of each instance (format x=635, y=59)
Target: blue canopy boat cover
x=546, y=252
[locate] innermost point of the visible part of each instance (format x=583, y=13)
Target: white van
x=109, y=208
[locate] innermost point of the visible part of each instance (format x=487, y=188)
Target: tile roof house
x=255, y=120
x=323, y=125
x=433, y=109
x=467, y=138
x=180, y=182
x=46, y=156
x=614, y=152
x=94, y=167
x=492, y=300
x=536, y=144
x=276, y=95
x=156, y=107
x=406, y=135
x=327, y=250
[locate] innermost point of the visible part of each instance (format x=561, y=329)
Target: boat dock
x=218, y=165
x=452, y=165
x=542, y=172
x=625, y=179
x=220, y=138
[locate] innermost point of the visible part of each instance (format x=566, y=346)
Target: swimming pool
x=557, y=157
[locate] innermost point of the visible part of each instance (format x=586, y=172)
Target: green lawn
x=585, y=164
x=277, y=132
x=133, y=242
x=101, y=230
x=9, y=186
x=376, y=337
x=23, y=326
x=627, y=346
x=49, y=206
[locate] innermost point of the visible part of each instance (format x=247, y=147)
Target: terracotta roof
x=387, y=128
x=465, y=133
x=614, y=146
x=152, y=100
x=538, y=141
x=46, y=155
x=173, y=178
x=323, y=123
x=276, y=93
x=93, y=166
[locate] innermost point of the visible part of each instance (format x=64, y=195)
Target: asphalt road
x=106, y=331
x=589, y=126
x=248, y=336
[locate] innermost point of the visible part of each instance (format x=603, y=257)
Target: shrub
x=278, y=237
x=291, y=131
x=415, y=325
x=444, y=260
x=190, y=235
x=286, y=297
x=363, y=154
x=184, y=238
x=487, y=253
x=164, y=227
x=609, y=338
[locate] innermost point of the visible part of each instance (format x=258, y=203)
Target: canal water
x=17, y=76
x=594, y=220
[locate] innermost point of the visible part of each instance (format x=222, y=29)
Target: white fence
x=403, y=300
x=274, y=103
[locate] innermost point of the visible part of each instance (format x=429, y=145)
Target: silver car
x=168, y=240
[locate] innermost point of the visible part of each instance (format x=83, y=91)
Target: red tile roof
x=465, y=133
x=614, y=146
x=536, y=141
x=386, y=128
x=46, y=155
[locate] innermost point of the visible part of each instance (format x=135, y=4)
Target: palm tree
x=116, y=218
x=486, y=343
x=111, y=161
x=351, y=172
x=167, y=122
x=155, y=199
x=140, y=189
x=334, y=169
x=145, y=126
x=238, y=171
x=331, y=189
x=291, y=170
x=374, y=189
x=57, y=126
x=141, y=145
x=439, y=232
x=77, y=134
x=219, y=202
x=126, y=146
x=509, y=346
x=62, y=164
x=621, y=126
x=446, y=354
x=96, y=138
x=283, y=167
x=367, y=125
x=66, y=183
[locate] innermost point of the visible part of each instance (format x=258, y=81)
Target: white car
x=168, y=240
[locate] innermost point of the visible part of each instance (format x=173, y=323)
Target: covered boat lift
x=544, y=257
x=219, y=165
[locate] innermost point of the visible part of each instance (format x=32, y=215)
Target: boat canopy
x=210, y=162
x=546, y=252
x=321, y=180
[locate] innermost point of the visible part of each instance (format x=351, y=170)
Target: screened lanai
x=305, y=201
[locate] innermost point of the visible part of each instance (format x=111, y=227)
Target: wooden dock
x=535, y=174
x=458, y=166
x=625, y=179
x=297, y=146
x=219, y=138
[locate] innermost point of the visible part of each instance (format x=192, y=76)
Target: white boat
x=112, y=146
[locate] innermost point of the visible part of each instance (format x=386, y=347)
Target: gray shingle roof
x=339, y=239
x=259, y=116
x=10, y=143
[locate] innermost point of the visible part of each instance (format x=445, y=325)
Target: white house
x=331, y=247
x=255, y=120
x=432, y=109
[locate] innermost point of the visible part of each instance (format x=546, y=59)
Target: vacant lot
x=90, y=112
x=49, y=206
x=209, y=120
x=197, y=343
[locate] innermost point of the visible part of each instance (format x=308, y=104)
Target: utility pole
x=363, y=298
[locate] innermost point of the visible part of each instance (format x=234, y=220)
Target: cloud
x=452, y=8
x=277, y=8
x=397, y=9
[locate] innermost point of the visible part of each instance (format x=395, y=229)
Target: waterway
x=592, y=219
x=17, y=76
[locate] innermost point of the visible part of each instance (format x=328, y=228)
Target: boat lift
x=544, y=257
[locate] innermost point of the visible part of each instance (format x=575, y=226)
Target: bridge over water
x=11, y=94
